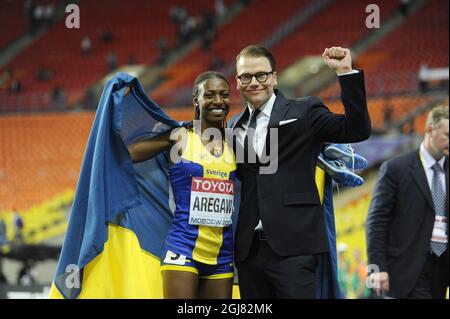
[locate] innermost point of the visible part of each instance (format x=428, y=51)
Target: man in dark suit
x=407, y=223
x=280, y=230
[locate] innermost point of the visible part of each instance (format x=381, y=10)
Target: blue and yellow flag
x=327, y=283
x=121, y=214
x=122, y=211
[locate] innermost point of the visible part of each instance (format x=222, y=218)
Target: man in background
x=407, y=223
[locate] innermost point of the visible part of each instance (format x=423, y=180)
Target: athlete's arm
x=145, y=149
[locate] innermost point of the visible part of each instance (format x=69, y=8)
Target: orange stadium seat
x=59, y=49
x=41, y=156
x=260, y=20
x=389, y=66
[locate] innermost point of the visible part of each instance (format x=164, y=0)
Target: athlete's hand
x=338, y=59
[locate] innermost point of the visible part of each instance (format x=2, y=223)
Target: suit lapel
x=237, y=147
x=419, y=176
x=244, y=115
x=280, y=107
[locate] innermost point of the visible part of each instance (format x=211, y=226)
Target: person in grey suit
x=407, y=222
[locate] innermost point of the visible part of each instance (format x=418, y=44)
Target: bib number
x=211, y=202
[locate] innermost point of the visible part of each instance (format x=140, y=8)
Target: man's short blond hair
x=437, y=114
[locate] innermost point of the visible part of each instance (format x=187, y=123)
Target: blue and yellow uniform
x=200, y=238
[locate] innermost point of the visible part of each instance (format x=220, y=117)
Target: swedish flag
x=121, y=213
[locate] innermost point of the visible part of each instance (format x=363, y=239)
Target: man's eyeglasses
x=261, y=77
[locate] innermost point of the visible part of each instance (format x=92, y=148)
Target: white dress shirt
x=428, y=161
x=259, y=138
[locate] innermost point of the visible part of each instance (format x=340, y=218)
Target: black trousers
x=266, y=275
x=433, y=280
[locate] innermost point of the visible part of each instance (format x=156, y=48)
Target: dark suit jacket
x=288, y=201
x=400, y=222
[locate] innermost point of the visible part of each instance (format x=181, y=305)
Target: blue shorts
x=177, y=262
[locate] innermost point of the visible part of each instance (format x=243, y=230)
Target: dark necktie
x=438, y=194
x=250, y=148
x=248, y=141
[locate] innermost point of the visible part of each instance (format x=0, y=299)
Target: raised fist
x=338, y=59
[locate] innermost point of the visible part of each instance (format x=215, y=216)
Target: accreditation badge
x=440, y=230
x=211, y=202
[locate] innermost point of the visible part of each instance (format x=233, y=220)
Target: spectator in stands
x=29, y=13
x=423, y=81
x=208, y=21
x=86, y=46
x=216, y=63
x=220, y=8
x=131, y=59
x=90, y=101
x=407, y=128
x=404, y=7
x=163, y=47
x=407, y=222
x=207, y=39
x=38, y=14
x=387, y=112
x=188, y=29
x=18, y=228
x=281, y=233
x=15, y=86
x=6, y=77
x=208, y=31
x=43, y=74
x=48, y=15
x=59, y=97
x=177, y=14
x=111, y=61
x=106, y=37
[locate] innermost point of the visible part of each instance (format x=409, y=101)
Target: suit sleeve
x=379, y=216
x=352, y=127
